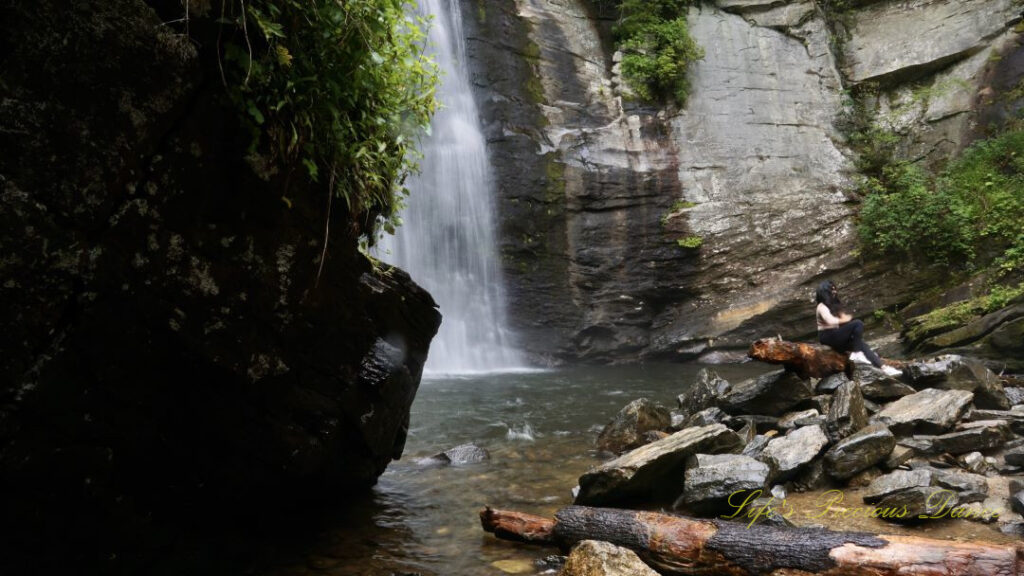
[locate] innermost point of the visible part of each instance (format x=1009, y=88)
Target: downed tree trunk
x=679, y=545
x=806, y=360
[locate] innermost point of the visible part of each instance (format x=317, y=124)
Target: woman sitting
x=842, y=332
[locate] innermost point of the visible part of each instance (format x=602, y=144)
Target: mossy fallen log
x=679, y=545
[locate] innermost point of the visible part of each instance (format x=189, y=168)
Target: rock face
x=166, y=330
x=642, y=472
x=627, y=428
x=596, y=191
x=595, y=558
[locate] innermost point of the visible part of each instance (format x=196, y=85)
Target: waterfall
x=446, y=241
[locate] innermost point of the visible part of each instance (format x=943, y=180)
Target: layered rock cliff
x=168, y=334
x=633, y=231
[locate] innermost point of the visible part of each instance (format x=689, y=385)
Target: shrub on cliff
x=973, y=212
x=338, y=90
x=657, y=48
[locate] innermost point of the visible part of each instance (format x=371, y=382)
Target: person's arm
x=827, y=317
x=844, y=317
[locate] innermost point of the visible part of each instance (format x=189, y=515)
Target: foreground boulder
x=788, y=454
x=596, y=558
x=653, y=472
x=462, y=454
x=878, y=385
x=711, y=479
x=771, y=394
x=928, y=411
x=847, y=413
x=862, y=450
x=981, y=435
x=627, y=428
x=908, y=496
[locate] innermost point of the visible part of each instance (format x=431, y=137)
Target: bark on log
x=807, y=360
x=680, y=545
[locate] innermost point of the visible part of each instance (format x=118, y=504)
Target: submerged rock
x=929, y=410
x=653, y=472
x=596, y=558
x=462, y=454
x=770, y=394
x=788, y=454
x=711, y=478
x=627, y=428
x=860, y=451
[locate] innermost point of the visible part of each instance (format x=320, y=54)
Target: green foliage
x=973, y=210
x=657, y=49
x=960, y=313
x=690, y=242
x=339, y=90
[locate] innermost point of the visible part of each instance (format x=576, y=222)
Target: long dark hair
x=824, y=294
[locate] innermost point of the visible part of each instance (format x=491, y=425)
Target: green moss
x=961, y=313
x=690, y=242
x=554, y=190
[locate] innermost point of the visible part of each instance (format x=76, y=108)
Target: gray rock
x=1014, y=418
x=462, y=454
x=1017, y=502
x=879, y=386
x=860, y=451
x=788, y=454
x=710, y=480
x=899, y=455
x=812, y=477
x=952, y=372
x=1013, y=529
x=756, y=446
x=969, y=487
x=1014, y=394
x=847, y=414
x=821, y=403
x=793, y=419
x=626, y=430
x=929, y=410
x=916, y=504
x=829, y=384
x=992, y=435
x=596, y=558
x=760, y=422
x=975, y=462
x=896, y=481
x=653, y=471
x=890, y=39
x=1015, y=456
x=704, y=393
x=770, y=394
x=706, y=416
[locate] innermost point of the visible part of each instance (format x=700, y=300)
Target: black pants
x=849, y=337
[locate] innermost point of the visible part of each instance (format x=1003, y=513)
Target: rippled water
x=540, y=430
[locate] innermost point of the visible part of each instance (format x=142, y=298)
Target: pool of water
x=540, y=430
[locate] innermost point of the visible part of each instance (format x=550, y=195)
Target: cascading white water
x=446, y=241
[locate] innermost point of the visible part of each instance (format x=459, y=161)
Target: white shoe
x=859, y=358
x=891, y=371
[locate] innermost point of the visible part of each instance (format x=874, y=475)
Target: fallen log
x=806, y=360
x=679, y=545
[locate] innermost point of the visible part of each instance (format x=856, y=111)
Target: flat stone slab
x=928, y=411
x=653, y=471
x=860, y=451
x=953, y=372
x=986, y=435
x=788, y=454
x=878, y=385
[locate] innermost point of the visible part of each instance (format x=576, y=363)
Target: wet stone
x=878, y=385
x=860, y=451
x=952, y=372
x=788, y=454
x=847, y=414
x=792, y=419
x=706, y=416
x=975, y=462
x=896, y=481
x=704, y=393
x=626, y=429
x=899, y=455
x=812, y=477
x=760, y=422
x=992, y=435
x=711, y=478
x=820, y=403
x=969, y=487
x=828, y=384
x=462, y=454
x=756, y=446
x=595, y=558
x=772, y=394
x=928, y=411
x=1014, y=394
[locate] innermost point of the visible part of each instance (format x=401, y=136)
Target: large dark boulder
x=627, y=428
x=169, y=336
x=772, y=394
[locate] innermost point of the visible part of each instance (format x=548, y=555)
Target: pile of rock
x=946, y=424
